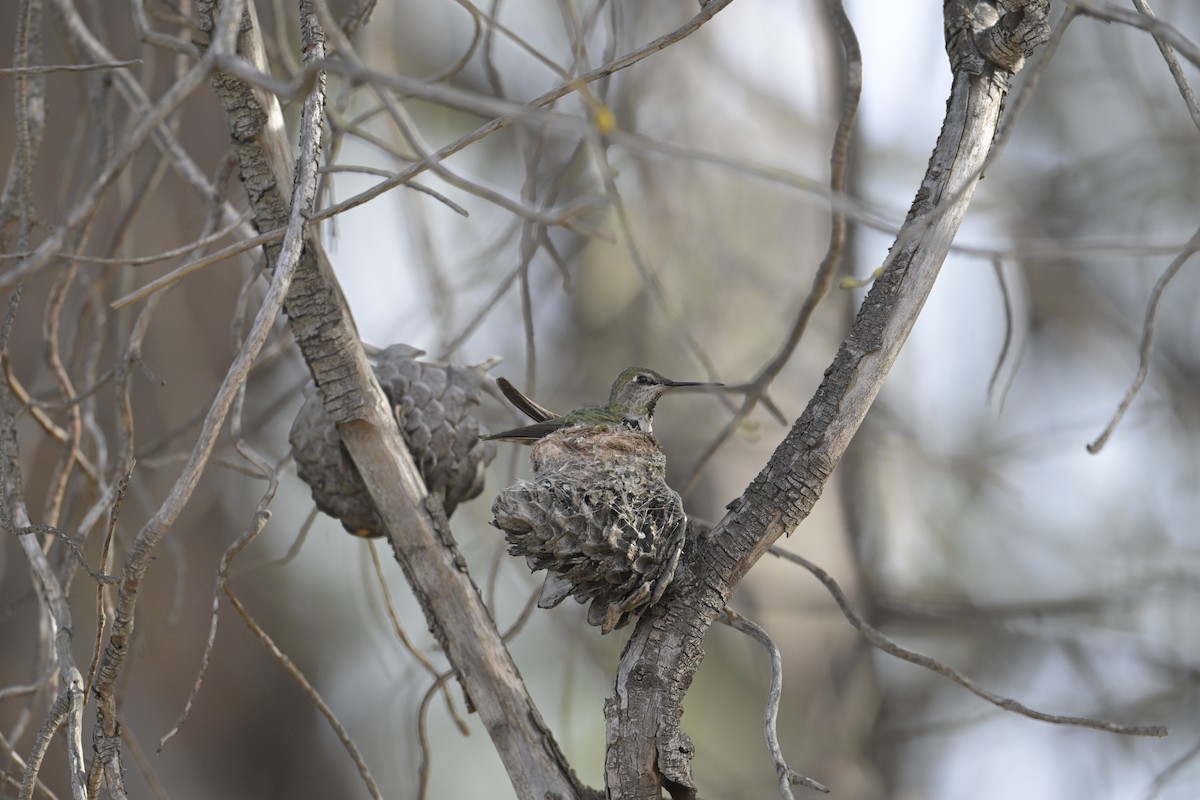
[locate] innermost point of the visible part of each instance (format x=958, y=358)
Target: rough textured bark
x=324, y=330
x=647, y=750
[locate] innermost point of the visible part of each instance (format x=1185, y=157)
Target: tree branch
x=646, y=748
x=424, y=545
x=885, y=645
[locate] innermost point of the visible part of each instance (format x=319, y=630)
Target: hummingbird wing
x=527, y=434
x=531, y=409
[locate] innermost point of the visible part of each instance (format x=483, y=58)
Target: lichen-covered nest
x=599, y=517
x=431, y=403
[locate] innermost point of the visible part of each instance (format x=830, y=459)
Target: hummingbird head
x=635, y=392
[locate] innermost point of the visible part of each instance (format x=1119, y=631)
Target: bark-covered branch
x=661, y=658
x=420, y=534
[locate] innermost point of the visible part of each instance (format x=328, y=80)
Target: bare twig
x=141, y=551
x=1169, y=772
x=205, y=657
x=756, y=390
x=44, y=421
x=52, y=354
x=426, y=761
x=143, y=764
x=263, y=469
x=197, y=264
x=408, y=644
x=788, y=777
x=7, y=749
x=416, y=186
x=1147, y=347
x=27, y=689
x=292, y=552
x=1185, y=88
x=149, y=35
x=1164, y=32
x=881, y=642
x=89, y=200
x=68, y=705
x=103, y=603
x=1010, y=323
x=518, y=624
x=42, y=69
x=54, y=720
x=644, y=711
x=296, y=675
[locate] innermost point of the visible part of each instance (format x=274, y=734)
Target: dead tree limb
x=647, y=749
x=420, y=535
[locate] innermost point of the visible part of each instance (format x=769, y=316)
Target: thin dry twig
x=1168, y=54
x=195, y=265
x=756, y=390
x=788, y=777
x=412, y=649
x=296, y=675
x=882, y=643
x=86, y=206
x=1010, y=324
x=44, y=421
x=1170, y=771
x=149, y=35
x=9, y=692
x=1164, y=32
x=519, y=623
x=55, y=717
x=103, y=603
x=143, y=764
x=9, y=524
x=414, y=185
x=141, y=551
x=68, y=705
x=292, y=552
x=205, y=657
x=263, y=469
x=42, y=69
x=426, y=762
x=140, y=261
x=134, y=94
x=1147, y=347
x=7, y=748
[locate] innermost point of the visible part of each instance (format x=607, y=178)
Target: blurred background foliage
x=968, y=520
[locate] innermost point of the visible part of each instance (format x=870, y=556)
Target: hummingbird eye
x=642, y=378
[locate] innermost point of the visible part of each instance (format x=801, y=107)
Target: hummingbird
x=631, y=403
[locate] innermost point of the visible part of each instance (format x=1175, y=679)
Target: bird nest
x=599, y=517
x=432, y=404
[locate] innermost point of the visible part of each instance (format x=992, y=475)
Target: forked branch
x=656, y=669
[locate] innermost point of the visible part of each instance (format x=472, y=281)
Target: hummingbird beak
x=695, y=384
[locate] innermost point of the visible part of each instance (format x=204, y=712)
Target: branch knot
x=1021, y=28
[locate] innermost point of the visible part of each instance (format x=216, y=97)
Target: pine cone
x=599, y=517
x=431, y=404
